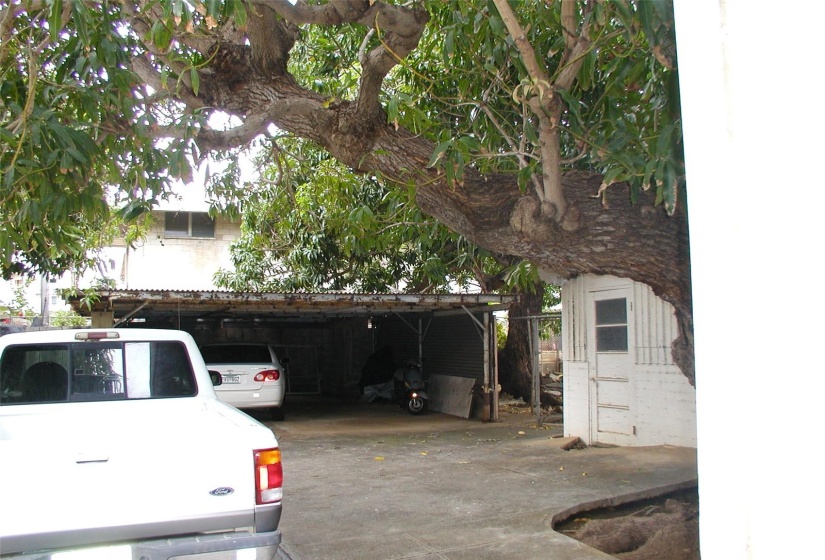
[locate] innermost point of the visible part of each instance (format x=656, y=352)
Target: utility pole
x=44, y=299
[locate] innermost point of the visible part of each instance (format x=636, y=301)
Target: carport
x=329, y=336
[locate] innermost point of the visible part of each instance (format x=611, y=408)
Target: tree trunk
x=515, y=362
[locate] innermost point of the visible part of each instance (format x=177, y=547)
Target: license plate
x=230, y=379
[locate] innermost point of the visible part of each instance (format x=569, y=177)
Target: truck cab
x=115, y=439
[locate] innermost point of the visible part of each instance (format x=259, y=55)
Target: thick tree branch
x=378, y=63
x=396, y=19
x=254, y=125
x=271, y=39
x=146, y=71
x=546, y=105
x=398, y=30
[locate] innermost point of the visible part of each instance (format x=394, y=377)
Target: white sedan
x=252, y=376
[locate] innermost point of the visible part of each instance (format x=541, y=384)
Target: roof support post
x=489, y=390
x=421, y=346
x=494, y=352
x=533, y=328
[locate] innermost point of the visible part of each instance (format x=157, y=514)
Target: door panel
x=612, y=415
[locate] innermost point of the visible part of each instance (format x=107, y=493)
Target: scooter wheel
x=415, y=405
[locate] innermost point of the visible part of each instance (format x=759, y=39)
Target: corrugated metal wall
x=653, y=320
x=452, y=344
x=656, y=327
x=574, y=323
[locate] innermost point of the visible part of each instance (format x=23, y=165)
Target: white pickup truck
x=113, y=445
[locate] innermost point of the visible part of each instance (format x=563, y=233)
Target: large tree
x=120, y=92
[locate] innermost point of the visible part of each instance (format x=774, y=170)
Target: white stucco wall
x=662, y=401
x=154, y=263
x=666, y=407
x=176, y=263
x=750, y=79
x=576, y=398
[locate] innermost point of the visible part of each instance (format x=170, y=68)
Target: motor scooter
x=409, y=388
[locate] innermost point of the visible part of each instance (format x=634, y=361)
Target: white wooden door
x=612, y=388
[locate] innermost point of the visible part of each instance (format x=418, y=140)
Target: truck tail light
x=269, y=476
x=268, y=375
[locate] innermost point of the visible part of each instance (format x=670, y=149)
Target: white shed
x=621, y=385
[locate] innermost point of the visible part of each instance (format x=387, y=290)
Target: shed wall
x=663, y=407
x=454, y=346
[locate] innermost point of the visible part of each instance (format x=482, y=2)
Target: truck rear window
x=90, y=371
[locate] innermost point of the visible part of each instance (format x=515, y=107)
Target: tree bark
x=515, y=368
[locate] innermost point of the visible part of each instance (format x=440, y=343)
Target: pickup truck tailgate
x=128, y=469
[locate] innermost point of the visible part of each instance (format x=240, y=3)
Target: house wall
x=662, y=402
x=756, y=241
x=157, y=262
x=174, y=263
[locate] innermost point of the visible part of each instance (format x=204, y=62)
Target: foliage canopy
x=103, y=102
x=526, y=127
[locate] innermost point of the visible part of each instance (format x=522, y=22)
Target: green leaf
x=80, y=20
x=213, y=8
x=55, y=19
x=439, y=151
x=525, y=175
x=239, y=12
x=613, y=175
x=573, y=104
x=469, y=143
x=133, y=210
x=587, y=71
x=78, y=155
x=196, y=80
x=161, y=37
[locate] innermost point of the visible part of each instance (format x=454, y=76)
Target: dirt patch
x=663, y=528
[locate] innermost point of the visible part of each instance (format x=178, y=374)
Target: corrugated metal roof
x=216, y=304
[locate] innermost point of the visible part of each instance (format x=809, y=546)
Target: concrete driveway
x=369, y=481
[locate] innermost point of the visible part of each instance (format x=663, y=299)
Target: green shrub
x=67, y=319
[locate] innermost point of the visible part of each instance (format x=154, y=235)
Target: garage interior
x=329, y=337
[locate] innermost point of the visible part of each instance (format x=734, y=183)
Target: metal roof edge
x=220, y=295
